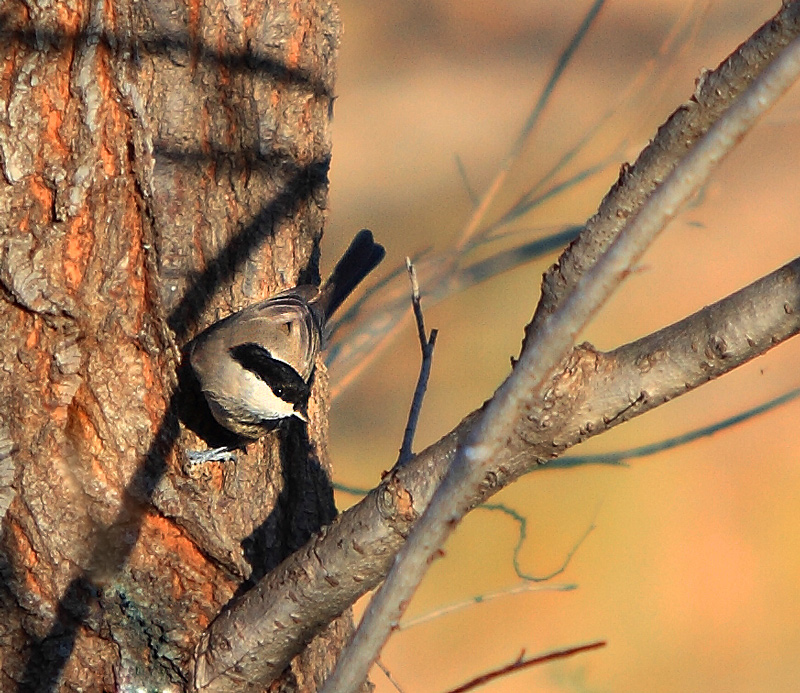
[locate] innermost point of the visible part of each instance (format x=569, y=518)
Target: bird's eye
x=278, y=391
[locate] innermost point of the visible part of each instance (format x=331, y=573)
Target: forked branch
x=559, y=406
x=545, y=347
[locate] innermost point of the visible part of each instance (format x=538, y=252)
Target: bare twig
x=388, y=675
x=543, y=350
x=462, y=172
x=523, y=534
x=619, y=458
x=522, y=663
x=521, y=588
x=427, y=345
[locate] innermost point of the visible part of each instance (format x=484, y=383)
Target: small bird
x=254, y=366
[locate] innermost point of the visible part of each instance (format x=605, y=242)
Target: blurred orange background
x=692, y=572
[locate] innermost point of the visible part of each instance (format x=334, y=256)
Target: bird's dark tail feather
x=363, y=256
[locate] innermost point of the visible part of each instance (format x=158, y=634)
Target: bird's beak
x=301, y=413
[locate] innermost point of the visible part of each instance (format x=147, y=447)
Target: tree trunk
x=163, y=163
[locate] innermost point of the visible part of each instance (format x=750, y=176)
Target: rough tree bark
x=162, y=163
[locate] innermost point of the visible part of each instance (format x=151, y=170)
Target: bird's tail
x=363, y=256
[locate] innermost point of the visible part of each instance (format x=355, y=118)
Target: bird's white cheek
x=262, y=401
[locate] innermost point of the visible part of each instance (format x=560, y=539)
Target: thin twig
x=427, y=345
x=388, y=675
x=462, y=171
x=522, y=663
x=620, y=457
x=483, y=599
x=523, y=533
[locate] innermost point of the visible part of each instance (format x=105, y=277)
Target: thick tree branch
x=594, y=392
x=544, y=348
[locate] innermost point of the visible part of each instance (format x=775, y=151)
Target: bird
x=255, y=366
